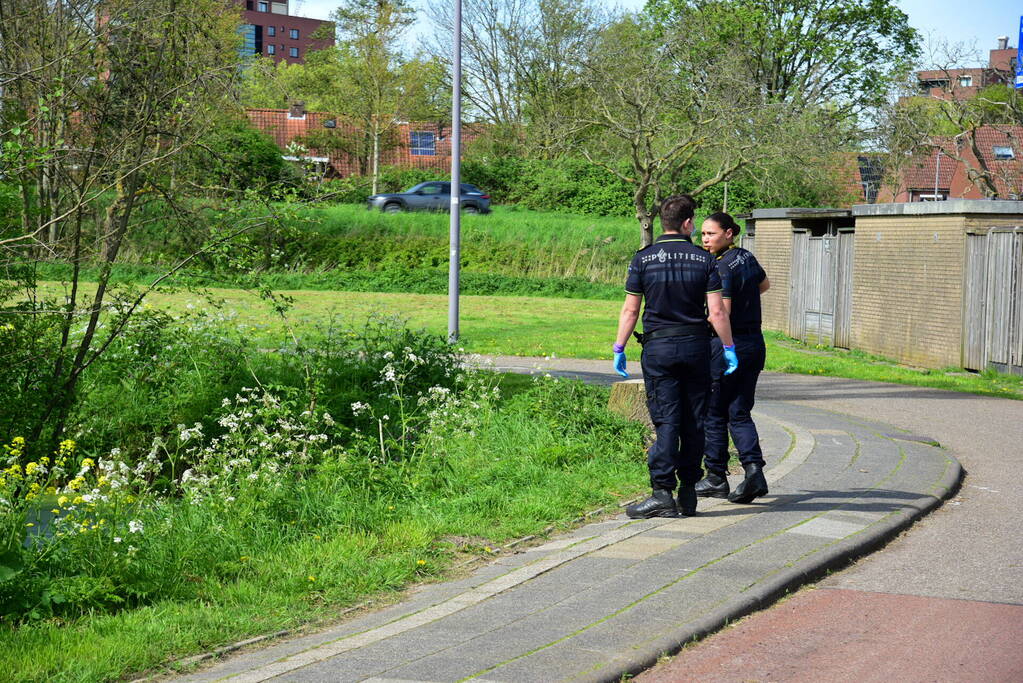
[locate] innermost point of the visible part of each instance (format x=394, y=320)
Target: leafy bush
x=238, y=156
x=365, y=418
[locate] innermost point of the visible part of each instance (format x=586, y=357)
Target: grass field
x=571, y=328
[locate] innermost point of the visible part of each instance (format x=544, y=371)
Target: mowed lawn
x=535, y=326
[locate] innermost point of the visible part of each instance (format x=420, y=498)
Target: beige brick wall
x=774, y=252
x=907, y=288
x=908, y=275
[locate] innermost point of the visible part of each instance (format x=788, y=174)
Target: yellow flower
x=62, y=501
x=102, y=481
x=88, y=463
x=312, y=578
x=78, y=500
x=129, y=499
x=51, y=490
x=420, y=562
x=244, y=558
x=31, y=467
x=55, y=511
x=67, y=447
x=44, y=460
x=30, y=524
x=76, y=483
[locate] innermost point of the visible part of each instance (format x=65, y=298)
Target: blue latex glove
x=731, y=360
x=619, y=364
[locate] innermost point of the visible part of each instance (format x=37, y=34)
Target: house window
x=271, y=49
x=930, y=84
x=966, y=81
x=422, y=143
x=263, y=7
x=293, y=33
x=1004, y=153
x=271, y=30
x=293, y=51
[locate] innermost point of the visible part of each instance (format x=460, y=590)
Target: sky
x=976, y=23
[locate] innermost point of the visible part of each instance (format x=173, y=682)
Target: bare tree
x=99, y=100
x=521, y=62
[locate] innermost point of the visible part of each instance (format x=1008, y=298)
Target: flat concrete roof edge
x=801, y=212
x=951, y=206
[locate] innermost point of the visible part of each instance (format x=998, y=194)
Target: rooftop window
x=1004, y=152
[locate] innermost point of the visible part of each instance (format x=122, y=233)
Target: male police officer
x=732, y=396
x=676, y=279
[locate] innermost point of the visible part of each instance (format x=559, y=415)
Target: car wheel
x=471, y=208
x=393, y=207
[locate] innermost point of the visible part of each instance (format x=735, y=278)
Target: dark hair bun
x=725, y=221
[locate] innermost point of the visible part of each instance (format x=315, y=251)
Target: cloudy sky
x=977, y=23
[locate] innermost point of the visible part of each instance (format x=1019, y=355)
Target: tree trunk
x=376, y=154
x=644, y=215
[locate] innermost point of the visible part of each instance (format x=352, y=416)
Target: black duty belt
x=673, y=331
x=740, y=330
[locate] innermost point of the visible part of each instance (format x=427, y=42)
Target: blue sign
x=1019, y=56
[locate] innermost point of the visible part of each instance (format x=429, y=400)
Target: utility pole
x=937, y=170
x=456, y=177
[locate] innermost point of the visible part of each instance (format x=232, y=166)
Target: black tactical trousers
x=731, y=400
x=676, y=372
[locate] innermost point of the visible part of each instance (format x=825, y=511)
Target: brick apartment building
x=269, y=30
x=962, y=84
x=418, y=144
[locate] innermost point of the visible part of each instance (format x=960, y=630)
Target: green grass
x=571, y=328
x=542, y=459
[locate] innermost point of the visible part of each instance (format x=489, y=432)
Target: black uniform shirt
x=673, y=276
x=741, y=276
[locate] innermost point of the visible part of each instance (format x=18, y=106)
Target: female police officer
x=675, y=279
x=731, y=398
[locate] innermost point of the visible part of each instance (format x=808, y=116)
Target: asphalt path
x=942, y=602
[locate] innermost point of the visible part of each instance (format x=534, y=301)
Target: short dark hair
x=725, y=222
x=676, y=210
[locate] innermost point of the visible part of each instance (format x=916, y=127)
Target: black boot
x=712, y=486
x=687, y=499
x=661, y=504
x=753, y=486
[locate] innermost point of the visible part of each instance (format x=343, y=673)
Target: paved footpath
x=943, y=602
x=610, y=597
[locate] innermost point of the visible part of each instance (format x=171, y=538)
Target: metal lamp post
x=456, y=177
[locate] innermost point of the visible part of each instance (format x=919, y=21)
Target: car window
x=432, y=188
x=466, y=187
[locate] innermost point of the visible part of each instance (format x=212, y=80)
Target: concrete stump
x=628, y=398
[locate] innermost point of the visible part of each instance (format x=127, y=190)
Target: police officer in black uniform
x=679, y=283
x=732, y=395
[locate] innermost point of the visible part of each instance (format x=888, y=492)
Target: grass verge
x=550, y=452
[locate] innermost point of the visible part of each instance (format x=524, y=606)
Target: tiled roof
x=919, y=172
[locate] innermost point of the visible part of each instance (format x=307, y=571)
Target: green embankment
x=573, y=328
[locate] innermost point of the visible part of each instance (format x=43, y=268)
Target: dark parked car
x=431, y=196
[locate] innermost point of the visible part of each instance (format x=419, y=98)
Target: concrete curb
x=766, y=593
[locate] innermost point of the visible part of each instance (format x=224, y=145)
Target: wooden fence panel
x=975, y=303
